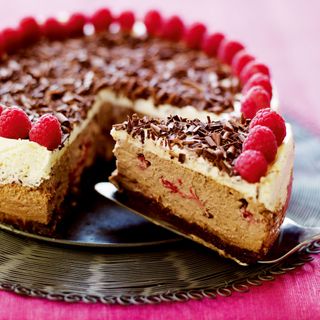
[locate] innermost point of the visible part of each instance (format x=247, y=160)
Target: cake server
x=292, y=238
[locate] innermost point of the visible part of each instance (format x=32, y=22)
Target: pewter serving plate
x=105, y=253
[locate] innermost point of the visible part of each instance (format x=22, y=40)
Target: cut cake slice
x=186, y=170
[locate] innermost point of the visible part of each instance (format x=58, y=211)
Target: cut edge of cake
x=249, y=214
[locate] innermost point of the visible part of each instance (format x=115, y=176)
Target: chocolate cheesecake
x=89, y=73
x=90, y=83
x=187, y=171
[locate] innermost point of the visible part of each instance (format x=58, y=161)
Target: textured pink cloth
x=285, y=35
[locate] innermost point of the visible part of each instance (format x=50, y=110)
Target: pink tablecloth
x=285, y=34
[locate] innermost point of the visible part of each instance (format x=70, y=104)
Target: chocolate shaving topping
x=209, y=141
x=64, y=77
x=220, y=142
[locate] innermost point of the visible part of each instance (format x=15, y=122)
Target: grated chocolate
x=64, y=77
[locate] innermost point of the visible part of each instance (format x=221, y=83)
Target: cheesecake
x=65, y=83
x=189, y=173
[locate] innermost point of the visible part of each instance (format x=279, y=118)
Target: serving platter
x=103, y=253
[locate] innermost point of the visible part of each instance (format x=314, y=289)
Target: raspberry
x=47, y=132
x=101, y=19
x=240, y=60
x=255, y=99
x=228, y=49
x=260, y=80
x=262, y=139
x=273, y=121
x=251, y=68
x=194, y=35
x=11, y=40
x=75, y=25
x=153, y=22
x=14, y=123
x=173, y=29
x=29, y=30
x=126, y=20
x=53, y=29
x=251, y=165
x=211, y=44
x=2, y=107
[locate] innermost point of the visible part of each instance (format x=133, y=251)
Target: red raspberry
x=101, y=19
x=54, y=29
x=211, y=44
x=260, y=80
x=194, y=35
x=11, y=40
x=228, y=49
x=14, y=123
x=153, y=22
x=251, y=165
x=75, y=24
x=251, y=68
x=262, y=139
x=173, y=29
x=30, y=30
x=126, y=20
x=240, y=60
x=2, y=107
x=255, y=99
x=47, y=132
x=273, y=121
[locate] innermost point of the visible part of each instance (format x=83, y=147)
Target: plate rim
x=241, y=286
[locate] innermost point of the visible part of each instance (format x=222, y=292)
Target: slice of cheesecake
x=187, y=170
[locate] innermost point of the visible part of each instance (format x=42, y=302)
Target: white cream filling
x=24, y=161
x=271, y=191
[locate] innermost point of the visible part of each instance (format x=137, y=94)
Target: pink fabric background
x=285, y=35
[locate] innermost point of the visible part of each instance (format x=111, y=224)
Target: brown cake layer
x=64, y=77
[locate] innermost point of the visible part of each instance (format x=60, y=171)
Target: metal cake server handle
x=292, y=238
